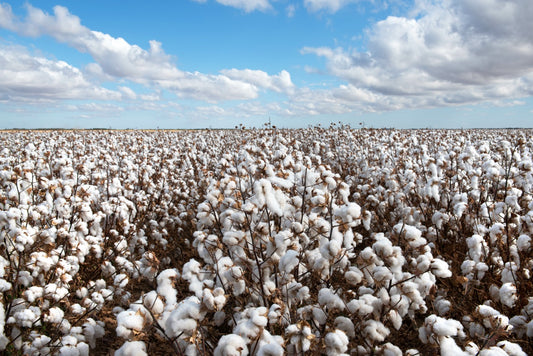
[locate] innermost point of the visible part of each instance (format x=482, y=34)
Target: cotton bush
x=266, y=242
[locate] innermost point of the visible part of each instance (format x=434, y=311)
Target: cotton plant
x=267, y=241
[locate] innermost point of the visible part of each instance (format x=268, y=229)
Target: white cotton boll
x=448, y=347
x=33, y=293
x=395, y=318
x=121, y=280
x=529, y=329
x=477, y=248
x=184, y=319
x=153, y=302
x=274, y=313
x=440, y=268
x=467, y=267
x=509, y=272
x=508, y=295
x=270, y=349
x=383, y=246
x=328, y=298
x=437, y=328
x=381, y=274
x=492, y=317
x=391, y=350
x=55, y=315
x=412, y=235
x=523, y=243
x=442, y=305
x=77, y=309
x=289, y=261
x=492, y=351
x=375, y=330
x=93, y=330
x=345, y=324
x=459, y=209
x=27, y=317
x=231, y=345
x=348, y=212
x=320, y=316
x=303, y=294
x=165, y=285
x=354, y=276
x=519, y=323
x=127, y=322
x=68, y=351
x=214, y=300
x=511, y=348
x=258, y=316
x=132, y=348
x=336, y=342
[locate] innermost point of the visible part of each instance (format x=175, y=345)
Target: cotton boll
x=395, y=318
x=353, y=276
x=511, y=348
x=231, y=345
x=132, y=348
x=289, y=261
x=165, y=285
x=32, y=293
x=55, y=315
x=523, y=242
x=152, y=301
x=391, y=350
x=252, y=323
x=27, y=317
x=183, y=321
x=214, y=300
x=448, y=347
x=440, y=268
x=328, y=298
x=336, y=342
x=346, y=325
x=93, y=330
x=519, y=323
x=442, y=305
x=436, y=329
x=491, y=317
x=270, y=349
x=121, y=280
x=127, y=322
x=508, y=296
x=529, y=331
x=375, y=330
x=381, y=274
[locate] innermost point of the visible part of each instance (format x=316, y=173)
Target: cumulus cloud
x=246, y=5
x=326, y=5
x=280, y=83
x=24, y=76
x=115, y=58
x=450, y=52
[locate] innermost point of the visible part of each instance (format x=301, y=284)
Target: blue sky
x=220, y=63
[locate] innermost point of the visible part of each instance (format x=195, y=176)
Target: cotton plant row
x=237, y=242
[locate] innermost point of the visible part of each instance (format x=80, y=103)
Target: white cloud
x=127, y=93
x=326, y=5
x=27, y=77
x=290, y=10
x=446, y=54
x=117, y=59
x=280, y=83
x=246, y=5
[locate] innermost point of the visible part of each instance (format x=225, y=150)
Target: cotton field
x=266, y=242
